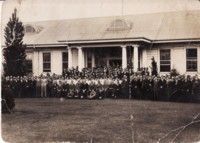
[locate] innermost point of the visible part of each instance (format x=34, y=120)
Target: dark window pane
x=191, y=65
x=191, y=53
x=65, y=56
x=164, y=54
x=65, y=66
x=164, y=68
x=46, y=57
x=29, y=65
x=89, y=64
x=89, y=59
x=46, y=65
x=165, y=62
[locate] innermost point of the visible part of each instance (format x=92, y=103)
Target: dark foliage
x=14, y=52
x=154, y=67
x=174, y=72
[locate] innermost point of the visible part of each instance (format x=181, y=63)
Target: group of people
x=102, y=83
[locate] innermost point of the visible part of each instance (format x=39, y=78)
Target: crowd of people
x=99, y=83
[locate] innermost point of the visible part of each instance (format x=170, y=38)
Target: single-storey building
x=172, y=38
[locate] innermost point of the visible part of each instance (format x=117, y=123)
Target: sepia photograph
x=100, y=71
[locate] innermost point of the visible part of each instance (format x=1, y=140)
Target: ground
x=99, y=121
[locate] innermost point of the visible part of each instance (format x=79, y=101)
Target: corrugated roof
x=156, y=26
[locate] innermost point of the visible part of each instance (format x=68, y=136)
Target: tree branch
x=180, y=129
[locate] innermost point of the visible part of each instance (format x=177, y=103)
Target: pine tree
x=14, y=53
x=154, y=67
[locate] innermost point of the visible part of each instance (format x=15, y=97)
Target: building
x=172, y=38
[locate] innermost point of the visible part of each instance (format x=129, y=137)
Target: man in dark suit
x=162, y=87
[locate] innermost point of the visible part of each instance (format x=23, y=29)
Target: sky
x=40, y=10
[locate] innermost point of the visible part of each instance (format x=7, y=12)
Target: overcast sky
x=39, y=10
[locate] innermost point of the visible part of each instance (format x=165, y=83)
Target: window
x=165, y=63
x=46, y=62
x=29, y=64
x=89, y=60
x=191, y=59
x=65, y=60
x=30, y=29
x=119, y=24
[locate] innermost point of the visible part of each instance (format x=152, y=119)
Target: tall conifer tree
x=14, y=52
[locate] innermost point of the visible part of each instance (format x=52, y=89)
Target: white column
x=135, y=62
x=83, y=61
x=69, y=57
x=124, y=57
x=93, y=59
x=35, y=62
x=80, y=59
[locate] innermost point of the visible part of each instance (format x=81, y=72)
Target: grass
x=98, y=121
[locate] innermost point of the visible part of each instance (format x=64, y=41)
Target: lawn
x=99, y=121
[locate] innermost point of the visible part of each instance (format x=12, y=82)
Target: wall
x=178, y=57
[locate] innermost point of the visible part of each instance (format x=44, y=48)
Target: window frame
x=65, y=61
x=164, y=60
x=192, y=60
x=30, y=29
x=47, y=62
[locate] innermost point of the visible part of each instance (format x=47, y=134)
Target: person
x=125, y=88
x=118, y=90
x=92, y=93
x=54, y=89
x=144, y=87
x=72, y=90
x=49, y=87
x=59, y=88
x=112, y=89
x=26, y=88
x=149, y=89
x=38, y=87
x=78, y=90
x=162, y=87
x=155, y=88
x=99, y=90
x=134, y=87
x=43, y=87
x=84, y=89
x=65, y=89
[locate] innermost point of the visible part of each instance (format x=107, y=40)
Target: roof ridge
x=117, y=16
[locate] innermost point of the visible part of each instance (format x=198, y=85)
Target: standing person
x=144, y=87
x=162, y=86
x=43, y=87
x=21, y=87
x=26, y=88
x=150, y=84
x=49, y=87
x=84, y=89
x=59, y=89
x=78, y=90
x=65, y=89
x=38, y=87
x=54, y=89
x=125, y=88
x=72, y=90
x=134, y=87
x=155, y=88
